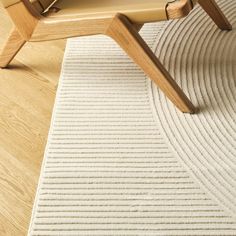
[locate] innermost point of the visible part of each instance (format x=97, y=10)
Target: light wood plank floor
x=27, y=92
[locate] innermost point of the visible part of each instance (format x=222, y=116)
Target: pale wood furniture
x=44, y=20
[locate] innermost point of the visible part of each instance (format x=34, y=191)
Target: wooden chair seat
x=41, y=20
x=137, y=11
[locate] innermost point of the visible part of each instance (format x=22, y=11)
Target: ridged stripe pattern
x=108, y=169
x=202, y=60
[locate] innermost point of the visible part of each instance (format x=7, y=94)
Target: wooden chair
x=40, y=20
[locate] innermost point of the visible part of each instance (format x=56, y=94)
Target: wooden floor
x=27, y=92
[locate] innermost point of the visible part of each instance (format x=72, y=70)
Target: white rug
x=203, y=61
x=121, y=160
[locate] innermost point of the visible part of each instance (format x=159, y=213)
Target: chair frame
x=31, y=26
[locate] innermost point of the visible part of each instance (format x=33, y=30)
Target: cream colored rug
x=121, y=160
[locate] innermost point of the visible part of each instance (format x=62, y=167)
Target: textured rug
x=121, y=160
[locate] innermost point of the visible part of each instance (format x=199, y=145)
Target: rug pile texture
x=121, y=159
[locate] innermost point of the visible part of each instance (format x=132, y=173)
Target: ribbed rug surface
x=121, y=160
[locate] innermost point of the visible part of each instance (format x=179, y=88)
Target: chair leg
x=11, y=48
x=125, y=34
x=213, y=10
x=138, y=27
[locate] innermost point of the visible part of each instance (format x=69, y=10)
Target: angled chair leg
x=213, y=10
x=125, y=34
x=11, y=48
x=138, y=27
